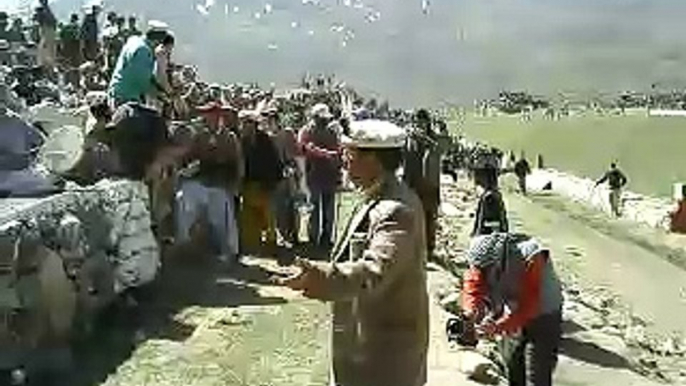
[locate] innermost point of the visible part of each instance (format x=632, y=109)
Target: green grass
x=651, y=150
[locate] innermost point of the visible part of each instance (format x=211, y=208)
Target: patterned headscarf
x=488, y=249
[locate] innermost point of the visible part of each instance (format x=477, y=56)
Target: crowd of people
x=262, y=169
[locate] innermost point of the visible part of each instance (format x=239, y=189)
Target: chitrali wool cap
x=321, y=110
x=157, y=26
x=374, y=134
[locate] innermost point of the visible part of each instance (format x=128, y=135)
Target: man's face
x=362, y=166
x=248, y=127
x=320, y=121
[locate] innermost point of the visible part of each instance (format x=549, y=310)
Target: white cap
x=375, y=134
x=157, y=26
x=321, y=110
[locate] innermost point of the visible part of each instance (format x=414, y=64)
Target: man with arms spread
x=376, y=279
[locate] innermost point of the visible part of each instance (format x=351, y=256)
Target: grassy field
x=651, y=150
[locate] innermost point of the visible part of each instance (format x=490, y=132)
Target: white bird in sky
x=236, y=9
x=209, y=3
x=268, y=8
x=294, y=24
x=202, y=10
x=425, y=6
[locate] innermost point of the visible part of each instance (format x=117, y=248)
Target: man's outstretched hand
x=310, y=279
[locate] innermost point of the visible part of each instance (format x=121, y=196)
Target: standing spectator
x=163, y=53
x=321, y=144
x=111, y=20
x=132, y=29
x=132, y=79
x=16, y=32
x=376, y=279
x=423, y=171
x=70, y=49
x=90, y=34
x=285, y=196
x=211, y=188
x=113, y=42
x=263, y=171
x=47, y=31
x=491, y=215
x=522, y=169
x=4, y=24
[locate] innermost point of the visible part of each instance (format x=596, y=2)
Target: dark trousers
x=533, y=357
x=430, y=196
x=323, y=217
x=522, y=184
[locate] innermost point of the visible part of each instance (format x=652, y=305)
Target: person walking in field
x=616, y=180
x=522, y=169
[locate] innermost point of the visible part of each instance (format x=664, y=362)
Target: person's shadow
x=593, y=354
x=189, y=280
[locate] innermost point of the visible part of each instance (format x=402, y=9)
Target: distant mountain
x=460, y=50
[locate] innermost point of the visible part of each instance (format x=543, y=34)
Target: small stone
x=670, y=347
x=648, y=362
x=18, y=377
x=636, y=336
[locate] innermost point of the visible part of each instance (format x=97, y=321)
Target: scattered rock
x=648, y=363
x=478, y=368
x=451, y=303
x=583, y=315
x=670, y=347
x=636, y=336
x=574, y=251
x=234, y=319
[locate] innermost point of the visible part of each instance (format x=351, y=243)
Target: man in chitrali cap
x=376, y=278
x=511, y=290
x=134, y=74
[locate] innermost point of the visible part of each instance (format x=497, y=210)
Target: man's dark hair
x=168, y=39
x=423, y=115
x=101, y=111
x=487, y=177
x=613, y=165
x=156, y=36
x=390, y=159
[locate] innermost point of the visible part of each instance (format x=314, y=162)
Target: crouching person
x=511, y=290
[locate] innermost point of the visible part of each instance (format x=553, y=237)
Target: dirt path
x=605, y=341
x=653, y=287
